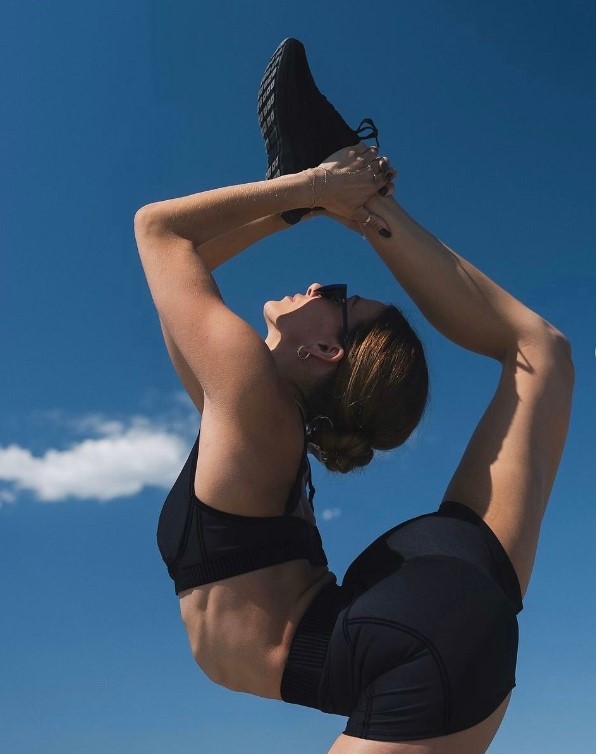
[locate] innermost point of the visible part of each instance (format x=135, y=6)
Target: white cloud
x=330, y=513
x=125, y=458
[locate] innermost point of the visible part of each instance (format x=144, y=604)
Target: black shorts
x=421, y=638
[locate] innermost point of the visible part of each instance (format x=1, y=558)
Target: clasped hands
x=346, y=180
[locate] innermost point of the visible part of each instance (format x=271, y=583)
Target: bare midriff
x=240, y=629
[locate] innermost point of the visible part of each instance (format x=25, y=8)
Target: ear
x=332, y=353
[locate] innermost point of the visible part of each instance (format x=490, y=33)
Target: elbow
x=140, y=216
x=151, y=220
x=561, y=347
x=543, y=337
x=565, y=357
x=148, y=229
x=143, y=220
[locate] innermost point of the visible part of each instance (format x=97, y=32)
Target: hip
x=419, y=641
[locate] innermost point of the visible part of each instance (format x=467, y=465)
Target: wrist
x=317, y=178
x=296, y=189
x=386, y=207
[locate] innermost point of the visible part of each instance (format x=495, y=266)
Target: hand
x=347, y=179
x=350, y=224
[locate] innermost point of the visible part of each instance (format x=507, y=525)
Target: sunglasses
x=338, y=293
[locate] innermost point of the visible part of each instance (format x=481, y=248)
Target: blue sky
x=489, y=112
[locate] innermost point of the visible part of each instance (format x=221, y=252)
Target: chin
x=270, y=313
x=275, y=305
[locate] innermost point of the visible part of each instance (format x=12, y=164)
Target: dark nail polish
x=385, y=233
x=389, y=177
x=383, y=191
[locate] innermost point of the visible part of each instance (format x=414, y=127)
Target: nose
x=313, y=288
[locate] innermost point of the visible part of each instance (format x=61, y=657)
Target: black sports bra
x=200, y=544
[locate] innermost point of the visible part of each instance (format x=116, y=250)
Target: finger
x=383, y=168
x=386, y=166
x=368, y=221
x=373, y=170
x=387, y=176
x=361, y=148
x=389, y=187
x=371, y=154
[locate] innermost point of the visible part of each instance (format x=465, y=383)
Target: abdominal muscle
x=240, y=629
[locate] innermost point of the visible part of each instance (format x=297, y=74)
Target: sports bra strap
x=311, y=487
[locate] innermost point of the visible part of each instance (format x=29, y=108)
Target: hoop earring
x=302, y=358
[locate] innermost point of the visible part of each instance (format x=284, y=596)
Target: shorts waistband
x=302, y=674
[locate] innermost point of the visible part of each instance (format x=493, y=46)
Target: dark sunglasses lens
x=336, y=292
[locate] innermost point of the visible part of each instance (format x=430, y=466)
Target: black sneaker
x=300, y=126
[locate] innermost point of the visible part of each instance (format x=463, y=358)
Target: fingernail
x=389, y=176
x=383, y=190
x=385, y=233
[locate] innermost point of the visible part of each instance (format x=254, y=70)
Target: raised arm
x=224, y=244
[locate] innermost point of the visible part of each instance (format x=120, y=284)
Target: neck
x=292, y=373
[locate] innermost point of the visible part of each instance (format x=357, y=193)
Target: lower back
x=240, y=629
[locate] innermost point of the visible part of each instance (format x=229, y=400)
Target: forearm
x=454, y=296
x=202, y=217
x=221, y=248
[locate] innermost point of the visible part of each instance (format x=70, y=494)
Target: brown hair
x=375, y=398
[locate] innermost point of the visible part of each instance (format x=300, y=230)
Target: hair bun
x=345, y=452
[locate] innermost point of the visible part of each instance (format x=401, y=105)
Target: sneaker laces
x=368, y=123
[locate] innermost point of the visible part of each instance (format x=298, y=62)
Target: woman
x=418, y=646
